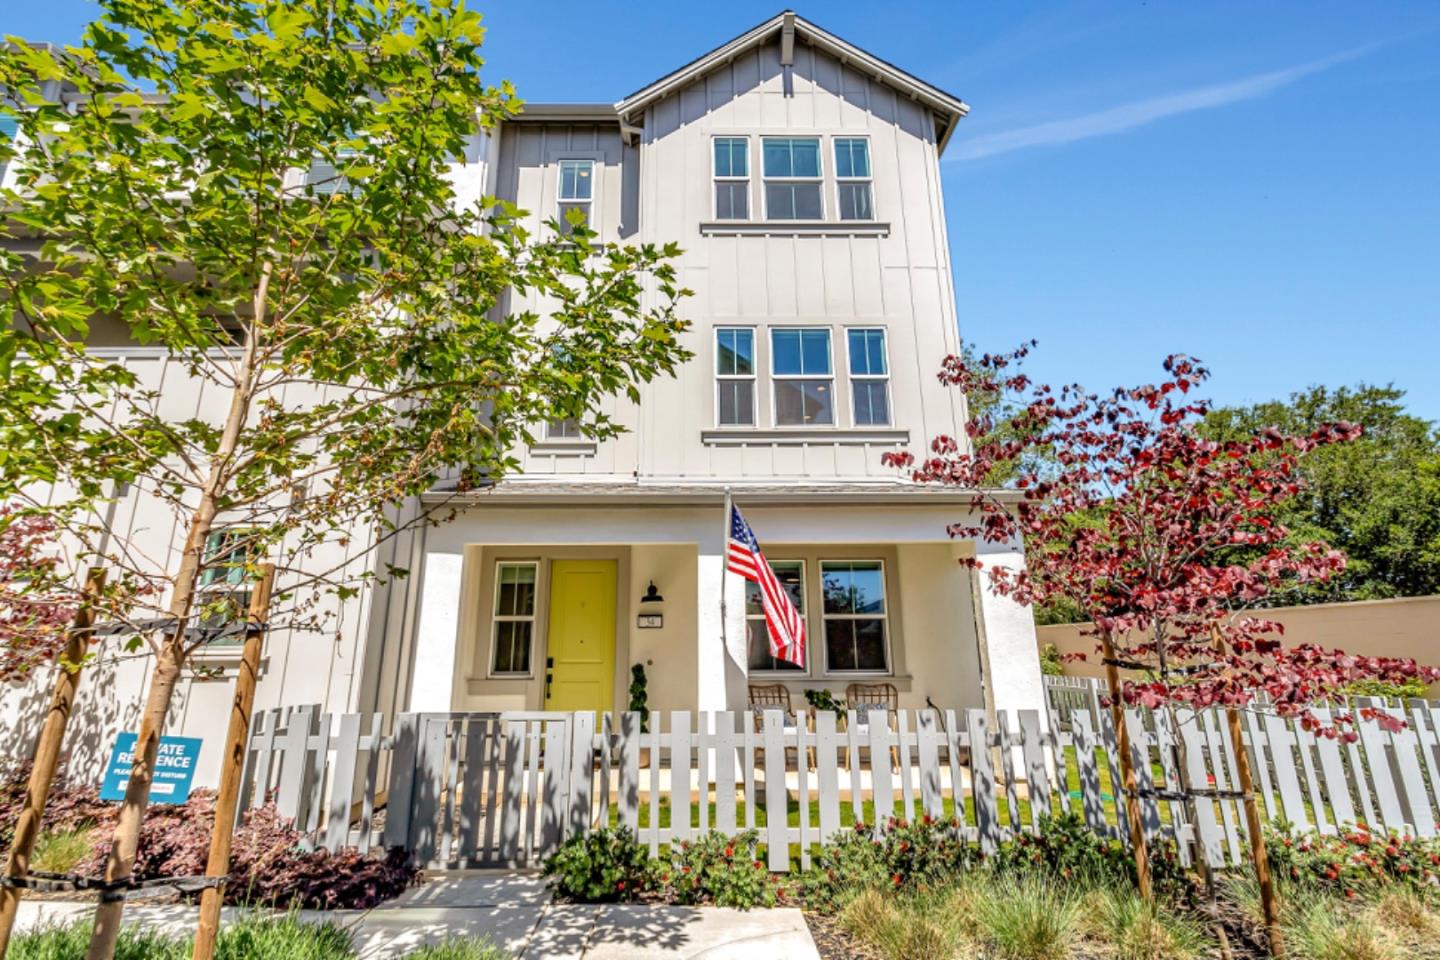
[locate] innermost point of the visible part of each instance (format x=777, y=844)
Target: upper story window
x=792, y=178
x=514, y=618
x=803, y=376
x=869, y=376
x=576, y=191
x=791, y=574
x=732, y=178
x=565, y=429
x=224, y=588
x=735, y=376
x=852, y=178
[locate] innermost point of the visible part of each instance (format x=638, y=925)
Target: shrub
x=725, y=871
x=603, y=866
x=459, y=948
x=70, y=943
x=1355, y=860
x=1065, y=848
x=61, y=851
x=1316, y=930
x=67, y=809
x=907, y=856
x=1028, y=918
x=267, y=865
x=910, y=927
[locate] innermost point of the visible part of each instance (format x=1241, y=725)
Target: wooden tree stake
x=1127, y=774
x=232, y=764
x=47, y=753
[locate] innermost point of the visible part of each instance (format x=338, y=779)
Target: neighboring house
x=801, y=176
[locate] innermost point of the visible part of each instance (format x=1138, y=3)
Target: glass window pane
x=731, y=158
x=852, y=157
x=737, y=403
x=875, y=347
x=869, y=644
x=872, y=406
x=855, y=202
x=805, y=157
x=785, y=348
x=815, y=351
x=780, y=201
x=512, y=646
x=840, y=645
x=516, y=596
x=804, y=402
x=777, y=158
x=583, y=213
x=732, y=200
x=568, y=429
x=576, y=179
x=806, y=201
x=851, y=587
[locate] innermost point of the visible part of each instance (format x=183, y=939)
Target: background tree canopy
x=1377, y=499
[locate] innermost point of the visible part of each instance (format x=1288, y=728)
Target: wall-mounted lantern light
x=652, y=595
x=650, y=621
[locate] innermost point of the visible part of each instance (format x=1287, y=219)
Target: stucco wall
x=1408, y=627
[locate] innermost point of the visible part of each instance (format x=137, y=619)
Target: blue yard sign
x=174, y=769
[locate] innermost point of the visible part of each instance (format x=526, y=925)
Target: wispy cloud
x=1128, y=116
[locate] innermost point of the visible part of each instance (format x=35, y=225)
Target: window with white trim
x=791, y=167
x=513, y=632
x=852, y=178
x=791, y=574
x=225, y=584
x=576, y=192
x=854, y=616
x=735, y=376
x=564, y=429
x=869, y=376
x=802, y=376
x=732, y=178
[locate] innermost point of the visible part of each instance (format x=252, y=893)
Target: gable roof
x=948, y=108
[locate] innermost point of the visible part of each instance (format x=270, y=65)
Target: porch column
x=721, y=680
x=432, y=670
x=1013, y=654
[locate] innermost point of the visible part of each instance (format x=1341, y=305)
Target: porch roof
x=611, y=492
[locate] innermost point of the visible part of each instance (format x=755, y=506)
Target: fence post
x=231, y=764
x=47, y=753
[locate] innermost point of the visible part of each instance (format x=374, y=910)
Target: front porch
x=535, y=599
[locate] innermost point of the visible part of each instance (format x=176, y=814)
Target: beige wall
x=1408, y=627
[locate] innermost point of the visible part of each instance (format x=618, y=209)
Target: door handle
x=549, y=678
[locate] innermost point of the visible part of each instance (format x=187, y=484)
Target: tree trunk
x=1269, y=902
x=228, y=795
x=1131, y=786
x=47, y=755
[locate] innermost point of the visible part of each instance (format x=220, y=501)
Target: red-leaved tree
x=37, y=599
x=1164, y=540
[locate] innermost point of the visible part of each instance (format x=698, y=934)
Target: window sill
x=564, y=448
x=794, y=228
x=802, y=436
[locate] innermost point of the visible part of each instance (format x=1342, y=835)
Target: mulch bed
x=833, y=942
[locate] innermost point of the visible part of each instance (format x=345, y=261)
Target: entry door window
x=514, y=631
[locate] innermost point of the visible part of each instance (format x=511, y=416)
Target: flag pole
x=724, y=569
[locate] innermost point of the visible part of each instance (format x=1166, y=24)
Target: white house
x=801, y=176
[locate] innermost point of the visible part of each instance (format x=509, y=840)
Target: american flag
x=786, y=626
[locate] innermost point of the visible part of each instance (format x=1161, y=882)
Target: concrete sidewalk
x=515, y=911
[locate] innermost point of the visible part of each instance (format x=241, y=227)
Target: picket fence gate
x=505, y=789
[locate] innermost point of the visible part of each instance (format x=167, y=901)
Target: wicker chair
x=863, y=697
x=769, y=696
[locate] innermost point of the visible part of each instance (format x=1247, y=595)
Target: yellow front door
x=580, y=666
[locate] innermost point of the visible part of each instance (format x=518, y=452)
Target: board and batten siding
x=899, y=280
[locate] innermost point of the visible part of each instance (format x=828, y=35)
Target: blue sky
x=1255, y=184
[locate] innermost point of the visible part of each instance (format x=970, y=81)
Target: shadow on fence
x=504, y=789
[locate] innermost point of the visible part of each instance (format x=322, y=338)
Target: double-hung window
x=514, y=618
x=225, y=585
x=854, y=615
x=576, y=191
x=869, y=377
x=803, y=376
x=792, y=178
x=852, y=178
x=791, y=574
x=732, y=178
x=735, y=377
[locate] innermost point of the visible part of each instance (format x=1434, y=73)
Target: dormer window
x=792, y=178
x=852, y=178
x=576, y=191
x=732, y=178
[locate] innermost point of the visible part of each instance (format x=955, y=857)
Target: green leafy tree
x=354, y=333
x=1377, y=499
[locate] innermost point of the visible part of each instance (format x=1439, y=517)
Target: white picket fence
x=487, y=789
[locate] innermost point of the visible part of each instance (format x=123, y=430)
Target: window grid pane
x=732, y=200
x=803, y=352
x=853, y=594
x=852, y=158
x=576, y=179
x=872, y=405
x=732, y=158
x=855, y=201
x=514, y=617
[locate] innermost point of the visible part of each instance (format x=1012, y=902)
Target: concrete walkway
x=515, y=911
